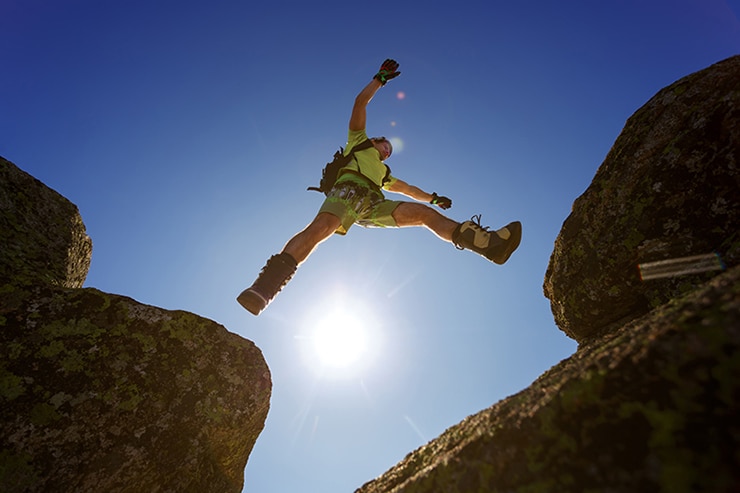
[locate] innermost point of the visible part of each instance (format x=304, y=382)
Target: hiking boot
x=252, y=301
x=496, y=246
x=276, y=273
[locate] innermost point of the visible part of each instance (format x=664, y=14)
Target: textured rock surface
x=100, y=393
x=669, y=187
x=650, y=407
x=41, y=233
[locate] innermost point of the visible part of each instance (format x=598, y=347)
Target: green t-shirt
x=369, y=161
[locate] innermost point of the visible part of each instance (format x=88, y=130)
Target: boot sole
x=515, y=228
x=251, y=301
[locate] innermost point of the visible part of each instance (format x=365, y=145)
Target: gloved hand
x=388, y=71
x=442, y=202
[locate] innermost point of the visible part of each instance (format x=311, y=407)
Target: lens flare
x=397, y=144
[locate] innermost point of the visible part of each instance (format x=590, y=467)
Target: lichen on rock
x=99, y=392
x=668, y=188
x=43, y=236
x=649, y=407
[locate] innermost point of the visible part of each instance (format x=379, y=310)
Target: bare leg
x=413, y=214
x=496, y=246
x=301, y=245
x=280, y=268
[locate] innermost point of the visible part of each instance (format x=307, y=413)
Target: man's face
x=384, y=148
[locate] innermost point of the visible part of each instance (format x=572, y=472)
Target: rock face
x=42, y=234
x=649, y=407
x=669, y=187
x=649, y=402
x=101, y=393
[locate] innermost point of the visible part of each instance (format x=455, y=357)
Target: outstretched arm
x=388, y=70
x=416, y=193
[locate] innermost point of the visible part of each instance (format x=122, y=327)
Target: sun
x=340, y=339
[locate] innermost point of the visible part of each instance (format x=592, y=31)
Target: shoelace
x=475, y=220
x=282, y=283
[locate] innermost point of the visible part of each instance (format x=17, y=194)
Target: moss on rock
x=101, y=393
x=43, y=236
x=650, y=407
x=665, y=190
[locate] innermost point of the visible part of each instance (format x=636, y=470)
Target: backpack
x=330, y=173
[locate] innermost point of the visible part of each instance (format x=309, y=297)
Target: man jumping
x=356, y=198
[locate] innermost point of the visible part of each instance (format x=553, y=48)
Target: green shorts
x=353, y=201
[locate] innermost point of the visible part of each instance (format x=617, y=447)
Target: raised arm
x=387, y=71
x=359, y=111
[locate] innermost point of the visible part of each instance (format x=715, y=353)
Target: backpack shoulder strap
x=365, y=144
x=387, y=176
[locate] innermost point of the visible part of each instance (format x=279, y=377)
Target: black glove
x=442, y=202
x=388, y=71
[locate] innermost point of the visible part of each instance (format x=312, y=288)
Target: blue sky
x=187, y=131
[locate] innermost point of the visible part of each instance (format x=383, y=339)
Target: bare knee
x=414, y=214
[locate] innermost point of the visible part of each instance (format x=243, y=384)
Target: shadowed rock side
x=669, y=187
x=649, y=407
x=41, y=233
x=100, y=393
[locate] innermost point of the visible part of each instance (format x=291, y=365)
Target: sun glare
x=342, y=339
